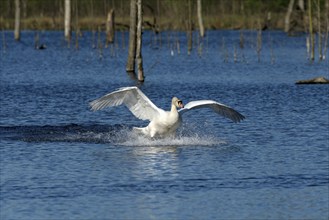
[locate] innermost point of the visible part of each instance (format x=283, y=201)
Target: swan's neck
x=173, y=109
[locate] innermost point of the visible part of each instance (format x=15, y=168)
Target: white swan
x=162, y=123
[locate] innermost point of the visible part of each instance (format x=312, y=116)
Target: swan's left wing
x=219, y=108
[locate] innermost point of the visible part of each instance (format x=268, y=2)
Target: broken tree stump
x=110, y=29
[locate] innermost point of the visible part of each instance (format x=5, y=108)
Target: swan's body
x=165, y=124
x=162, y=123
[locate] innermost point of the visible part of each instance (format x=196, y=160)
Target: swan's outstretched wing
x=219, y=108
x=141, y=106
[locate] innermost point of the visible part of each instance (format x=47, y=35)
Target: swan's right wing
x=137, y=102
x=217, y=107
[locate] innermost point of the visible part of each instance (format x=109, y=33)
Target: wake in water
x=116, y=134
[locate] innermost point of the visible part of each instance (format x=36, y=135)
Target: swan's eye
x=180, y=102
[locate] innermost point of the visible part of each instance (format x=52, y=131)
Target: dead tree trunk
x=199, y=9
x=311, y=29
x=77, y=30
x=130, y=67
x=259, y=43
x=189, y=29
x=17, y=20
x=110, y=27
x=288, y=15
x=319, y=30
x=326, y=14
x=301, y=7
x=139, y=58
x=67, y=20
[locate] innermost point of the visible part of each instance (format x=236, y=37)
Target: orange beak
x=180, y=104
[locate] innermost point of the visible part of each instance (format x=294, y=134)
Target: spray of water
x=127, y=137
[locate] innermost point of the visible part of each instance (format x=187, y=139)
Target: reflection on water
x=156, y=163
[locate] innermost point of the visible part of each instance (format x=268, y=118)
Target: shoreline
x=229, y=22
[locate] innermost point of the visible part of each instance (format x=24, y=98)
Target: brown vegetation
x=168, y=14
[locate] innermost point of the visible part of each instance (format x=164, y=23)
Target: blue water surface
x=59, y=160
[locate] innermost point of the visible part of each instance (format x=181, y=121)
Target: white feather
x=141, y=106
x=219, y=108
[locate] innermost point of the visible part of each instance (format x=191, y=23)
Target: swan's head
x=177, y=102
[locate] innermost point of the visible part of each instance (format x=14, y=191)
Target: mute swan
x=162, y=123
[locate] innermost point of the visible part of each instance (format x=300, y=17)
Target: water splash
x=187, y=135
x=179, y=140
